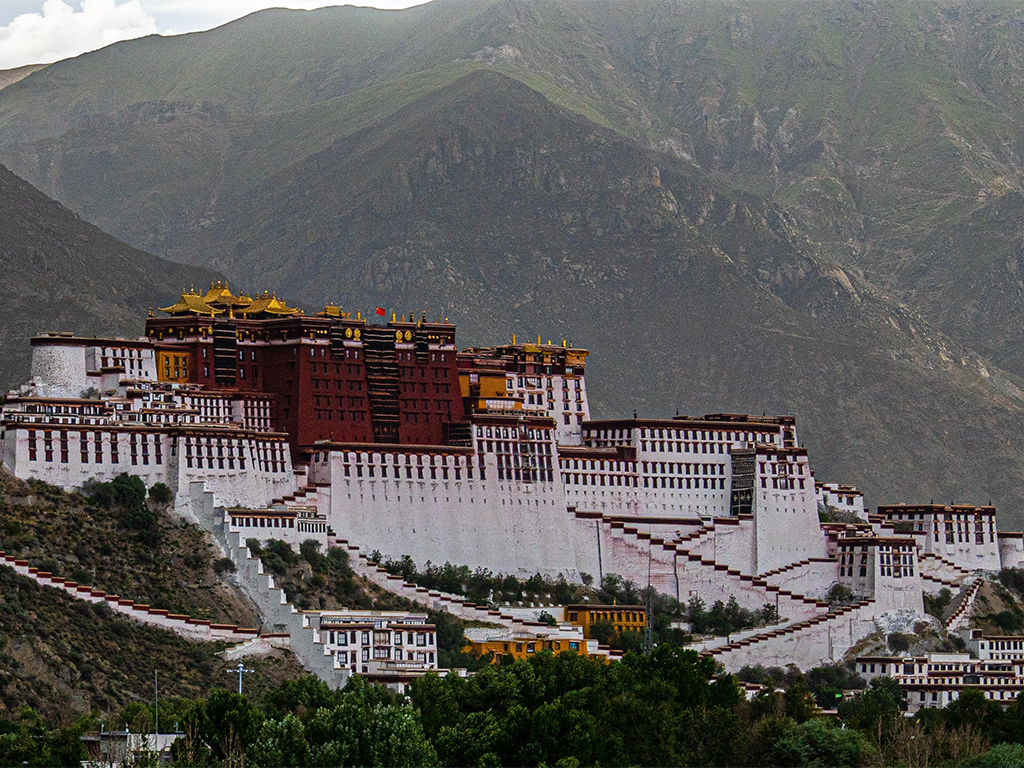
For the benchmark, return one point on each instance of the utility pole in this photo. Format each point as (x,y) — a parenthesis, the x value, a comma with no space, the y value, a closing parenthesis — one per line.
(156,703)
(240,670)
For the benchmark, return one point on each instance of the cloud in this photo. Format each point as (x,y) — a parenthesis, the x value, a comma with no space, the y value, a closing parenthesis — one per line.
(60,31)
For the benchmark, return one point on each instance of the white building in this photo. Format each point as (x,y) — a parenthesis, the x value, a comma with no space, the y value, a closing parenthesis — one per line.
(375,642)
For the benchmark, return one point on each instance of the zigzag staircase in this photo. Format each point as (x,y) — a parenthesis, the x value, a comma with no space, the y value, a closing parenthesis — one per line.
(790,603)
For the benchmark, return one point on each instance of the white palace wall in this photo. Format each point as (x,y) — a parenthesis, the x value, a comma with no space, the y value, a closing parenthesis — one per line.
(60,371)
(512,527)
(258,471)
(786,522)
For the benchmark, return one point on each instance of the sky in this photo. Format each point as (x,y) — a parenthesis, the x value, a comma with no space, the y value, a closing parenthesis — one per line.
(44,31)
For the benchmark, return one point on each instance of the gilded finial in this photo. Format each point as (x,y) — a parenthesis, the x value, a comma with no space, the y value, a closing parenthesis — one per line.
(392,316)
(513,339)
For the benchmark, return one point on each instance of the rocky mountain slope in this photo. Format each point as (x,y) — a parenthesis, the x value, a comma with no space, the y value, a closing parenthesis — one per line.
(63,274)
(779,206)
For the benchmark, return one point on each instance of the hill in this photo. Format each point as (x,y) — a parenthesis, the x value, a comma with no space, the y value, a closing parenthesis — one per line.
(11,76)
(66,657)
(780,205)
(62,273)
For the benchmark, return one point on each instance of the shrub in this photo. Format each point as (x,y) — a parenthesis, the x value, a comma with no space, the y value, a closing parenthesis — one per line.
(161,494)
(839,594)
(936,604)
(223,565)
(898,642)
(310,551)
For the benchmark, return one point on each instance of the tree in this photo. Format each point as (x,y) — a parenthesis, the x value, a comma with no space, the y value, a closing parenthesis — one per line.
(876,711)
(819,743)
(229,724)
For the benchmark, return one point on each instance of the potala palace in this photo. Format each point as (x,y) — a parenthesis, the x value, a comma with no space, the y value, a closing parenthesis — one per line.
(385,436)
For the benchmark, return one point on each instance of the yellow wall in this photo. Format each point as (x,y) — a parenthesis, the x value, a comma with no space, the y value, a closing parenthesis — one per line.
(621,617)
(524,648)
(173,366)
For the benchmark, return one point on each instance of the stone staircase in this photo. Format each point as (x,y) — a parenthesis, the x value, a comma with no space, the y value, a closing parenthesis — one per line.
(958,611)
(801,642)
(436,600)
(281,615)
(688,567)
(931,560)
(940,581)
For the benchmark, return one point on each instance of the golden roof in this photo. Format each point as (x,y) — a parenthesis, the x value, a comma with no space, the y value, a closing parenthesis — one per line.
(269,304)
(191,303)
(220,296)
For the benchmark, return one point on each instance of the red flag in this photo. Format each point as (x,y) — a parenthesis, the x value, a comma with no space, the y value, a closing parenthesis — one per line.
(380,311)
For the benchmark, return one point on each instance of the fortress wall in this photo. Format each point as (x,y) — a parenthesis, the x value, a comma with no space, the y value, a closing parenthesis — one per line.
(191,629)
(893,594)
(651,502)
(1011,550)
(813,579)
(787,528)
(967,554)
(733,545)
(518,528)
(59,370)
(74,472)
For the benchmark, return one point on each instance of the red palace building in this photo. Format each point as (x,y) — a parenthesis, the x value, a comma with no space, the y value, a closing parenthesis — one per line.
(333,377)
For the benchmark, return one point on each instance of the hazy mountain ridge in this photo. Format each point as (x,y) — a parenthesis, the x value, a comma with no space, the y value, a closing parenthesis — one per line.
(63,274)
(820,258)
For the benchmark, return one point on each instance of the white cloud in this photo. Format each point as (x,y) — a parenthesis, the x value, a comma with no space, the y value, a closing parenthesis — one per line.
(60,31)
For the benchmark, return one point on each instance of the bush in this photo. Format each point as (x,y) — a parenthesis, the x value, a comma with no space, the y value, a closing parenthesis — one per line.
(898,642)
(310,551)
(161,494)
(936,604)
(223,565)
(840,594)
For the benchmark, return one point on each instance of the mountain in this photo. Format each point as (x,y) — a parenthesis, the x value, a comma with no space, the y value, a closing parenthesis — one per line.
(10,76)
(63,274)
(775,205)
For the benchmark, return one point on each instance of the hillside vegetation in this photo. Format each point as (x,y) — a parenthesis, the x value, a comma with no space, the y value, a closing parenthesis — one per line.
(65,657)
(774,206)
(121,545)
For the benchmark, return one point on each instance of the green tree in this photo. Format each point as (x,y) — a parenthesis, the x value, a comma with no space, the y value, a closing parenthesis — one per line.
(876,711)
(819,743)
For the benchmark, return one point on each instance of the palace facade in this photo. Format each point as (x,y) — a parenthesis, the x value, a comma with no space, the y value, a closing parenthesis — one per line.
(384,434)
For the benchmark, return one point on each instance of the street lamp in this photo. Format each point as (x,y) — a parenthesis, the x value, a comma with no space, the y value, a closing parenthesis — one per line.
(240,670)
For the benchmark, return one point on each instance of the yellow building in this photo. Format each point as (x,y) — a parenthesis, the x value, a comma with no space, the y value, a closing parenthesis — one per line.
(521,648)
(632,617)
